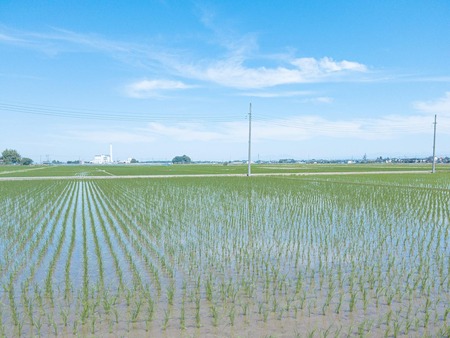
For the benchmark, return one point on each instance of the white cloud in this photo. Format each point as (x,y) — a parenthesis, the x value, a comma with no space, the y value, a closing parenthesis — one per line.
(299,128)
(382,128)
(307,96)
(295,128)
(311,67)
(184,132)
(111,136)
(272,94)
(323,99)
(233,73)
(439,106)
(153,88)
(163,137)
(230,73)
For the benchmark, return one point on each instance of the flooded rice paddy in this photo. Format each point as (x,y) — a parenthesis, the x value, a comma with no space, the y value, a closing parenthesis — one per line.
(280,256)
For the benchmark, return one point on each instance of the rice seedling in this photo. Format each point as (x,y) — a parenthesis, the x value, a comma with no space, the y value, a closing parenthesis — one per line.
(183,316)
(232,315)
(99,256)
(166,319)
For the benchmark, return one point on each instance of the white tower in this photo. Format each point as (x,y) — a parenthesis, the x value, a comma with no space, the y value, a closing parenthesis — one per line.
(110,153)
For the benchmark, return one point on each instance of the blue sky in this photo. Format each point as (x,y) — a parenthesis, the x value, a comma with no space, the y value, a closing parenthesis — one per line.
(326,79)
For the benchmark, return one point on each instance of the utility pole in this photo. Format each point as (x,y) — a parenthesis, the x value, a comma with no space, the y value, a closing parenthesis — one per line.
(249,141)
(433,170)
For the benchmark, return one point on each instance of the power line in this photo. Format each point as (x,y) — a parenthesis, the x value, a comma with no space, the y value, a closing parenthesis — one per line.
(86,114)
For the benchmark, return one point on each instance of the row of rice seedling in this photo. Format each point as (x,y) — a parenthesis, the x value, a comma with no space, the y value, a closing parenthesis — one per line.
(197,256)
(322,240)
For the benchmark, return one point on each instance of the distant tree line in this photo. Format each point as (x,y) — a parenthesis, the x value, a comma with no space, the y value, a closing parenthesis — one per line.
(11,156)
(286,160)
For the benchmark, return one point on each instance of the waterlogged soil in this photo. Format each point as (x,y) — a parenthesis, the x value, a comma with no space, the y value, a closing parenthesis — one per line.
(216,256)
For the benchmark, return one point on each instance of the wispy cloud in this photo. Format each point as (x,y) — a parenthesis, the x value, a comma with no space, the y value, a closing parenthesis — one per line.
(272,94)
(8,38)
(296,128)
(137,135)
(438,106)
(229,69)
(309,127)
(313,67)
(185,132)
(232,70)
(57,41)
(323,99)
(301,95)
(153,88)
(266,129)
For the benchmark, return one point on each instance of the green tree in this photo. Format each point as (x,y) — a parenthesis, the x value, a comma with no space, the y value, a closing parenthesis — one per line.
(181,159)
(26,161)
(11,156)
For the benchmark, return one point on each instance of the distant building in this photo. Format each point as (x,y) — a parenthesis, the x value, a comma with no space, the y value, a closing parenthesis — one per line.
(104,159)
(101,159)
